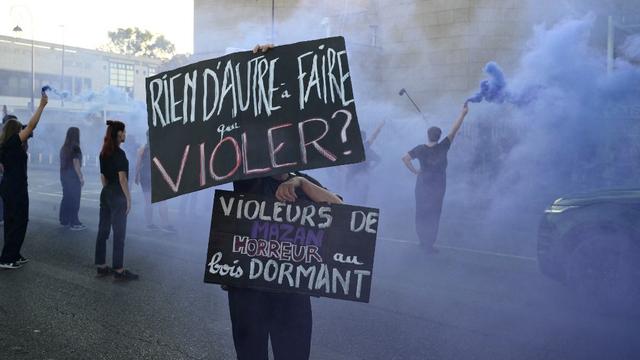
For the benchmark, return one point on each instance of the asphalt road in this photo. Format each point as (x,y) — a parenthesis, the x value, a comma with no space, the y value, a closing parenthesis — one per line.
(460,304)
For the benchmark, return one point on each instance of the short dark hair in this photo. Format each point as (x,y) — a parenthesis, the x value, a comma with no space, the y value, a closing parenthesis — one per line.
(434,133)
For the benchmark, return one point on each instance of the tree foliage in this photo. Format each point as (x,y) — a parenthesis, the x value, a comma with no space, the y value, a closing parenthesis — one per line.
(137,42)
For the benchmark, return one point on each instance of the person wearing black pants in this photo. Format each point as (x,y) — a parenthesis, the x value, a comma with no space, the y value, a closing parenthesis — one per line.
(257,316)
(115,202)
(71,179)
(13,187)
(431,183)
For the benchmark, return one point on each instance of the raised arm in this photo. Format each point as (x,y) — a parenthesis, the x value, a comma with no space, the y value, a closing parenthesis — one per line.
(287,191)
(458,123)
(375,134)
(407,162)
(28,130)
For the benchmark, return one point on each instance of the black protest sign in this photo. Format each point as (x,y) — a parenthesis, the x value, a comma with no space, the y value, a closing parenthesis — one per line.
(302,247)
(248,115)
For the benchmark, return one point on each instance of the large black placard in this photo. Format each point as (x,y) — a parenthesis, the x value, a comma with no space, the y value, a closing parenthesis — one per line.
(302,247)
(248,115)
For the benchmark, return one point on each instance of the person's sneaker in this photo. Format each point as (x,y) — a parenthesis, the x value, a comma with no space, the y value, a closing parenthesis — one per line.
(103,271)
(77,227)
(125,275)
(152,227)
(9,266)
(169,229)
(22,260)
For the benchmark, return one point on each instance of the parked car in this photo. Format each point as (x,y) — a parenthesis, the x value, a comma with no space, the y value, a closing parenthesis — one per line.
(591,242)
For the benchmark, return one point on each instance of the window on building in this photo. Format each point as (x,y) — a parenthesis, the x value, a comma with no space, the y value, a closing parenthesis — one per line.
(121,75)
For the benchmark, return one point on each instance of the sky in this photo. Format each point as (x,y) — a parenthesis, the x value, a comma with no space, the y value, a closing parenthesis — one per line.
(85,23)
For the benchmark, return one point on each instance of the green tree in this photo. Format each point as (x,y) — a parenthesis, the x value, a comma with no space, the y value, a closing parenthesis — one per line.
(137,42)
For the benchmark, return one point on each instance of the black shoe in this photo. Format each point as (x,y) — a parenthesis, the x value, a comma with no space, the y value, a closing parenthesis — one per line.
(10,266)
(125,275)
(103,271)
(22,260)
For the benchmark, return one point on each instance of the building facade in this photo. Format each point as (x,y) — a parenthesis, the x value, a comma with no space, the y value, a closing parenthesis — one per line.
(78,75)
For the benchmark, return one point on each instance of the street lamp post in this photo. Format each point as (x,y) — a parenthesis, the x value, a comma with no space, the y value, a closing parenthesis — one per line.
(16,30)
(62,71)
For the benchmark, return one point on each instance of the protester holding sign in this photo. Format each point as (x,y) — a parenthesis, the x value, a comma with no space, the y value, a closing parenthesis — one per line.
(256,315)
(432,180)
(14,188)
(115,202)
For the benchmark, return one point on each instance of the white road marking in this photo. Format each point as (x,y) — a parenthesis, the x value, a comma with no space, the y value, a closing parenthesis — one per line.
(60,195)
(456,248)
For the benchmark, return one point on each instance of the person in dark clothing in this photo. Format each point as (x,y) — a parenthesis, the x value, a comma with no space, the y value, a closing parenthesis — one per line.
(115,202)
(143,178)
(359,175)
(257,316)
(14,187)
(71,179)
(431,183)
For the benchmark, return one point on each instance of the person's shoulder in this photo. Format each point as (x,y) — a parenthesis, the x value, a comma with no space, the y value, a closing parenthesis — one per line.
(445,142)
(121,153)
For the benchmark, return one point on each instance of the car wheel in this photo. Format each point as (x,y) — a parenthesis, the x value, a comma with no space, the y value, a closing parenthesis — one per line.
(604,270)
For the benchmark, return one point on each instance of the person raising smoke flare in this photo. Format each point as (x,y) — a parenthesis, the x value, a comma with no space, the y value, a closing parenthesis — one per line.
(13,187)
(431,183)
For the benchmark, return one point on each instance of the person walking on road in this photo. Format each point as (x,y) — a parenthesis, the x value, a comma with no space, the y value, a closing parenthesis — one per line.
(13,187)
(115,202)
(71,179)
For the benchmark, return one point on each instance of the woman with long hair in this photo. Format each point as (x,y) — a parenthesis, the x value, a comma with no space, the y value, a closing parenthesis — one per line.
(13,187)
(115,202)
(71,179)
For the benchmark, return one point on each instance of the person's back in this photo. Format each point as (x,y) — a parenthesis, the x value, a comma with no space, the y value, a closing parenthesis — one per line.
(14,162)
(111,165)
(433,161)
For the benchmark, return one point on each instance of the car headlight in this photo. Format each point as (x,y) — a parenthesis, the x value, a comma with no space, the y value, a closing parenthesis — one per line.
(559,209)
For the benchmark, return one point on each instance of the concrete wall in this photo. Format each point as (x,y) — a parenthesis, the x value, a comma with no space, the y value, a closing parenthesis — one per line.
(431,47)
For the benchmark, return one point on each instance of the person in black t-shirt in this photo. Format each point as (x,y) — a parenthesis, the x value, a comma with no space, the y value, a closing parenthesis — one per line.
(71,179)
(257,316)
(13,187)
(115,202)
(432,180)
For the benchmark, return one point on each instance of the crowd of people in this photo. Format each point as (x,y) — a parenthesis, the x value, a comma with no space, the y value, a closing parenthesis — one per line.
(115,197)
(257,316)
